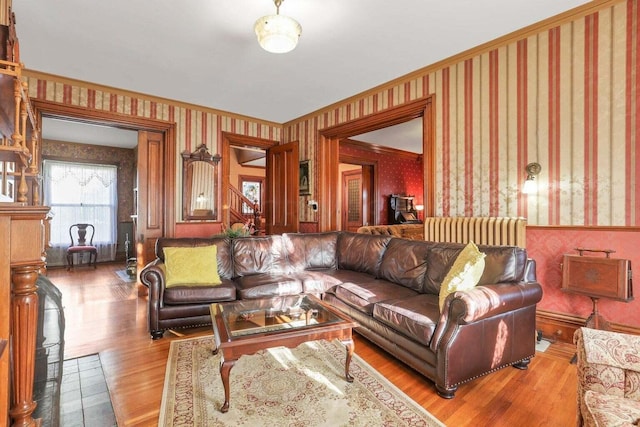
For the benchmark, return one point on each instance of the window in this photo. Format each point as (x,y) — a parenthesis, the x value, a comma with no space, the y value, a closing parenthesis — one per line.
(81,193)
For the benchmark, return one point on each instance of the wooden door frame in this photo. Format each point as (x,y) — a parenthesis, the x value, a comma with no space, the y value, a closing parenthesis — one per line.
(329,154)
(123,121)
(229,139)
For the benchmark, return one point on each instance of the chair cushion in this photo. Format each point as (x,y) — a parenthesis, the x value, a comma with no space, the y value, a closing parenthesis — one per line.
(191,266)
(82,248)
(606,410)
(612,349)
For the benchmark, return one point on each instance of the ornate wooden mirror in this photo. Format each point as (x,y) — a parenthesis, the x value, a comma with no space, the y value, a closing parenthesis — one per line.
(200,196)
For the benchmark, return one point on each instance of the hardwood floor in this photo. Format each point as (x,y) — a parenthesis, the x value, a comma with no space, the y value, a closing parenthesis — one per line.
(105,315)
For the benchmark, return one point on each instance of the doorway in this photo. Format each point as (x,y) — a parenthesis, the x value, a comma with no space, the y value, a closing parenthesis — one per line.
(154,188)
(329,155)
(241,146)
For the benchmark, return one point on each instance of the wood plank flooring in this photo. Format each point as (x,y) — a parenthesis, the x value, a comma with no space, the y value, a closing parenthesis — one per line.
(105,315)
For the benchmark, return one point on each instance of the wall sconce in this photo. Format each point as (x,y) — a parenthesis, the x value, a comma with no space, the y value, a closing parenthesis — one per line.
(533,169)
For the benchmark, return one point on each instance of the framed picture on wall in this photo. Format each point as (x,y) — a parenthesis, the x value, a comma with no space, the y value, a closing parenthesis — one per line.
(304,178)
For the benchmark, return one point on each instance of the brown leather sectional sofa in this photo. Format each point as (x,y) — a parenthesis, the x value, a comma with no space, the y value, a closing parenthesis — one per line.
(389,285)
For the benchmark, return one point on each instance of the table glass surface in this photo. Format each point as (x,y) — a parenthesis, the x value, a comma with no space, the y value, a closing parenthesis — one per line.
(259,316)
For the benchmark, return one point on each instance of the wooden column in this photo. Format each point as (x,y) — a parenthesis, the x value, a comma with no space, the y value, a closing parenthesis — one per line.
(24,312)
(23,247)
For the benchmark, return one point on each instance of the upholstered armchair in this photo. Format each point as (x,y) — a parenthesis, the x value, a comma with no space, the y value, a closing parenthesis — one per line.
(608,378)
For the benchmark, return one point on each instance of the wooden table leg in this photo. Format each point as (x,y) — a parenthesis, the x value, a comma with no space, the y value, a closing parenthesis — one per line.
(349,345)
(225,369)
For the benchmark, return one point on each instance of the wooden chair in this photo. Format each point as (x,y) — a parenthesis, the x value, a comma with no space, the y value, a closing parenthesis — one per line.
(79,244)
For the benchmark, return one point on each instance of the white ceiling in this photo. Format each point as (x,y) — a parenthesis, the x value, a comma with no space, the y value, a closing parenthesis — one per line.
(85,133)
(205,51)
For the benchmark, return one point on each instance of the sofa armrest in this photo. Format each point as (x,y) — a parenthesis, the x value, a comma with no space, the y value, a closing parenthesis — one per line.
(483,302)
(153,277)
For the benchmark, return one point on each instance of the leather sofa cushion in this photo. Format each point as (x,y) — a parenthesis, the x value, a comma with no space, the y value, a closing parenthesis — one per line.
(361,252)
(415,317)
(343,276)
(223,250)
(365,295)
(316,281)
(267,285)
(256,255)
(311,251)
(174,315)
(405,262)
(502,264)
(226,291)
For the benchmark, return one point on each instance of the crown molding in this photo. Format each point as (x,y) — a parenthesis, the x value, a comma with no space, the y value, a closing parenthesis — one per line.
(142,96)
(522,33)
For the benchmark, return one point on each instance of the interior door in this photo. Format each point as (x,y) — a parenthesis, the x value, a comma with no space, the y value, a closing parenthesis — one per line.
(150,199)
(352,203)
(281,204)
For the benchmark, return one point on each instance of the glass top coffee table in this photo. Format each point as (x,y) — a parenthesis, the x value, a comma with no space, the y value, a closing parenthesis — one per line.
(248,326)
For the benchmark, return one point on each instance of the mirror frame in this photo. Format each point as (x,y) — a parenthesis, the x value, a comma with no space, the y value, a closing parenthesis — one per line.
(201,154)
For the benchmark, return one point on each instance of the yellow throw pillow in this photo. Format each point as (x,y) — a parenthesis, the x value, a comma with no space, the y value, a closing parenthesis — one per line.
(465,273)
(191,266)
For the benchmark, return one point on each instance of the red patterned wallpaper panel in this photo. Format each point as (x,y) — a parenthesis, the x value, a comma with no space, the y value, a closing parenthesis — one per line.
(396,175)
(548,246)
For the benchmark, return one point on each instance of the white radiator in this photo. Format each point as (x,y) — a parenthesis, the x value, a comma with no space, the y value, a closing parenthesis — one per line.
(480,230)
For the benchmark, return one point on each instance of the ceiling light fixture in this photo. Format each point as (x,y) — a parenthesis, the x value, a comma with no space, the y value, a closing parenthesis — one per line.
(277,33)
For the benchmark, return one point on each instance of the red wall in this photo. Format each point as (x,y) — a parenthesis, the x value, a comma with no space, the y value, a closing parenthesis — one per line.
(547,245)
(399,174)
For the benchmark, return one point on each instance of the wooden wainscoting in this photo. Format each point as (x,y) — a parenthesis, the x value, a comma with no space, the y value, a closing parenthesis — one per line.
(561,326)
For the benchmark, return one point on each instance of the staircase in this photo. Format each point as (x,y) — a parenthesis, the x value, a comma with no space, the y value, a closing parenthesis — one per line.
(242,209)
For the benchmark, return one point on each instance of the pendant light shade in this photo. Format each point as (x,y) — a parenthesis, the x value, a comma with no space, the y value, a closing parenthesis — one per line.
(277,33)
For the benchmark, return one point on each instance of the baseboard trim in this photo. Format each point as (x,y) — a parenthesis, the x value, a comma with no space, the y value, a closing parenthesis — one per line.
(562,326)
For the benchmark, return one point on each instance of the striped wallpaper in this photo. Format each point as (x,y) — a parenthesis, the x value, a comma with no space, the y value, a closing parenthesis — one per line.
(566,97)
(195,125)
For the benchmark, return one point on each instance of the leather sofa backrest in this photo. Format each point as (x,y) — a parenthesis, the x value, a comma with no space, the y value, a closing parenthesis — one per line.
(405,262)
(223,250)
(361,252)
(255,255)
(503,264)
(311,251)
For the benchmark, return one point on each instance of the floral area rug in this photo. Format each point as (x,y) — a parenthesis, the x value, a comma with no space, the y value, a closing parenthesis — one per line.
(304,386)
